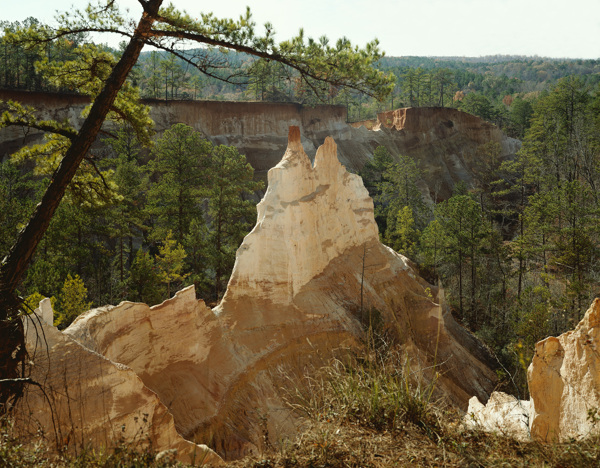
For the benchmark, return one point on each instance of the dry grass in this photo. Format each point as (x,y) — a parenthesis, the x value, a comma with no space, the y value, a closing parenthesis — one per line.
(376,412)
(380,413)
(380,393)
(332,445)
(15,454)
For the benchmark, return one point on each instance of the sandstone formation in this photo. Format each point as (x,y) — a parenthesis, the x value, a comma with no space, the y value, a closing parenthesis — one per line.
(503,414)
(88,400)
(295,295)
(564,382)
(444,142)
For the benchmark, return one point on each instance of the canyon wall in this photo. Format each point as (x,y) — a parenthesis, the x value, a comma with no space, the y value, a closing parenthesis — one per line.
(444,142)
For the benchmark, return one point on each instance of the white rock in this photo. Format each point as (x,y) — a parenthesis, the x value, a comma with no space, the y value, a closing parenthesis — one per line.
(89,400)
(503,414)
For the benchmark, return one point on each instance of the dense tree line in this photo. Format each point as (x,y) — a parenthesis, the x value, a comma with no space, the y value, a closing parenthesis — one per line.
(518,255)
(174,215)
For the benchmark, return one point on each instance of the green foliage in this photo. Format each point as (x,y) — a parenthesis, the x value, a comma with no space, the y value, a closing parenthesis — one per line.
(72,301)
(198,246)
(126,219)
(520,114)
(145,284)
(43,276)
(404,236)
(86,72)
(270,81)
(392,183)
(180,168)
(231,214)
(170,262)
(314,61)
(17,198)
(421,87)
(463,233)
(478,104)
(372,171)
(32,302)
(432,244)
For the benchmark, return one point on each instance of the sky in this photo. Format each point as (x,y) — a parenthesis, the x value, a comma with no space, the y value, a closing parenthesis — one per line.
(472,28)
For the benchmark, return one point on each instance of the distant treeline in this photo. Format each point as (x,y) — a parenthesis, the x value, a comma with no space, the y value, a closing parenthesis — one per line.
(485,86)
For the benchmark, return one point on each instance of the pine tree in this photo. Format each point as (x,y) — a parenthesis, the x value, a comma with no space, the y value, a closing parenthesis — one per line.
(404,237)
(144,280)
(180,168)
(398,188)
(72,301)
(170,262)
(231,212)
(463,232)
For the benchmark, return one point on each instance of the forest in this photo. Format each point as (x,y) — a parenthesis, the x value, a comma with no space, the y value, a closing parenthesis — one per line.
(517,254)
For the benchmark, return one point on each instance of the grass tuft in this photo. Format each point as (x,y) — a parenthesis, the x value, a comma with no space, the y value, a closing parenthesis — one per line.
(382,393)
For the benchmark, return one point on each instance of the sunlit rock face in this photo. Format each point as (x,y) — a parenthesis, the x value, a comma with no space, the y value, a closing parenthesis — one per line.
(306,276)
(308,217)
(503,414)
(90,401)
(564,382)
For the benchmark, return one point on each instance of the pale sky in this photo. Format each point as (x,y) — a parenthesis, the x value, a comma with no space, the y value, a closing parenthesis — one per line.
(473,28)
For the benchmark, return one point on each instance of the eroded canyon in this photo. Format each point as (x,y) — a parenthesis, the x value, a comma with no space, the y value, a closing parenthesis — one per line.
(310,268)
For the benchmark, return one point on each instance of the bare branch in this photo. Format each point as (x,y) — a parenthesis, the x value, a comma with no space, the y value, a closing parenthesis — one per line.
(202,67)
(93,164)
(21,381)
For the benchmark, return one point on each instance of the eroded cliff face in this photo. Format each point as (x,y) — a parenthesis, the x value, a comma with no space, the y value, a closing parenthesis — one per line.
(295,294)
(444,142)
(87,400)
(564,382)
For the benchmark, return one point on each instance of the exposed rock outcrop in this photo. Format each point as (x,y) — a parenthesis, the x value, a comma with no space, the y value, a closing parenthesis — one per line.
(444,142)
(88,400)
(295,293)
(564,385)
(564,382)
(503,414)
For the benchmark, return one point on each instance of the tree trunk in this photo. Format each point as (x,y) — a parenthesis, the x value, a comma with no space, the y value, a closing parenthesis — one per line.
(460,282)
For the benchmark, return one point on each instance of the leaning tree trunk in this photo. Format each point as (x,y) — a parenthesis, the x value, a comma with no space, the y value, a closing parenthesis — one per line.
(12,350)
